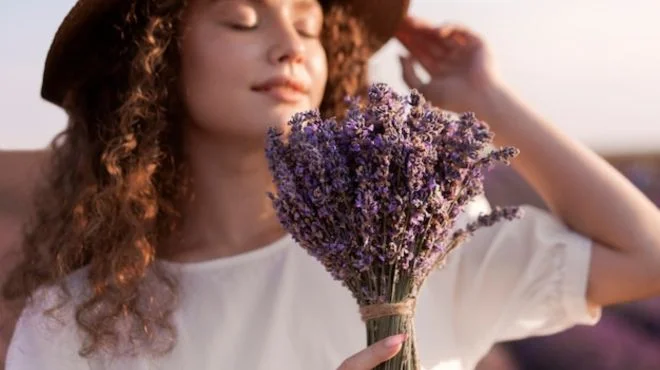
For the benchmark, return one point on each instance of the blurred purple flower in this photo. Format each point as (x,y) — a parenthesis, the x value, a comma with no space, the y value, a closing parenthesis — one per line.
(374,197)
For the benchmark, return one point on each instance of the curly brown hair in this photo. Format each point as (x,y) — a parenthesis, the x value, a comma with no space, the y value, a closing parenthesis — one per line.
(116,176)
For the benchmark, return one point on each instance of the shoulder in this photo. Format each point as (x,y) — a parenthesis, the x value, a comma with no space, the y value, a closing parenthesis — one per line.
(54,306)
(46,331)
(531,273)
(51,309)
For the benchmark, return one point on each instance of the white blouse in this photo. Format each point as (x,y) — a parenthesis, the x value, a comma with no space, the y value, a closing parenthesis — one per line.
(277,308)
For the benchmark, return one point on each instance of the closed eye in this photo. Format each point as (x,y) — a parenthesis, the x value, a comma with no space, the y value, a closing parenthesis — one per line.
(308,34)
(243,27)
(309,28)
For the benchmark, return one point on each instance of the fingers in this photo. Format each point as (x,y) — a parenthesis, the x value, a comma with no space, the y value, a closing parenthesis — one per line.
(375,354)
(416,42)
(415,28)
(409,74)
(419,34)
(427,54)
(435,48)
(458,37)
(414,25)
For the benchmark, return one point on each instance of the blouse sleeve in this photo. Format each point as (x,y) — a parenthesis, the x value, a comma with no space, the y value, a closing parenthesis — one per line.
(44,342)
(520,278)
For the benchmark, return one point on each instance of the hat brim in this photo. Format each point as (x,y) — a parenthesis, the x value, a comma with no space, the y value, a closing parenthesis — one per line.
(75,50)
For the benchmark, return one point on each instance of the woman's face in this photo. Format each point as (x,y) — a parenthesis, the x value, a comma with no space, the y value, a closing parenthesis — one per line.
(251,64)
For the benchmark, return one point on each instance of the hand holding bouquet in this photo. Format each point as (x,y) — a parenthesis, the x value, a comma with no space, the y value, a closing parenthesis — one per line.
(376,196)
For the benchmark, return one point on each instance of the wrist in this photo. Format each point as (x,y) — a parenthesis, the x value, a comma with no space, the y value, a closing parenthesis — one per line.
(490,100)
(504,112)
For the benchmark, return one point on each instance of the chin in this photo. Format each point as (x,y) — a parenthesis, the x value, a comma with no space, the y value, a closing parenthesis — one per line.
(280,117)
(255,128)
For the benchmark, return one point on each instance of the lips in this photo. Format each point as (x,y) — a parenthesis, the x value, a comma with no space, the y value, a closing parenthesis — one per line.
(283,88)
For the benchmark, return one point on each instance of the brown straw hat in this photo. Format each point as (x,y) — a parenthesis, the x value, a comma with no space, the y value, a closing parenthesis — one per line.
(83,39)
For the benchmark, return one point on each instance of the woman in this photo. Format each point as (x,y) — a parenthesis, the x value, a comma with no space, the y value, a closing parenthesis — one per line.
(156,247)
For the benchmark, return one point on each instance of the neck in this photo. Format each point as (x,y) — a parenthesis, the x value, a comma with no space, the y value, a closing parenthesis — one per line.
(229,212)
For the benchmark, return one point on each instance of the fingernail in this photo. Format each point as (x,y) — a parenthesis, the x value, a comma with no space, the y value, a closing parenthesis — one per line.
(395,340)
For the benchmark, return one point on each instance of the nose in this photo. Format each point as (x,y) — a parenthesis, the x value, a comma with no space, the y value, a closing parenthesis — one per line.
(287,47)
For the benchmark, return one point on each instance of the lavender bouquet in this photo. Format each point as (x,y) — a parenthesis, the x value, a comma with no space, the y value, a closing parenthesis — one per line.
(375,198)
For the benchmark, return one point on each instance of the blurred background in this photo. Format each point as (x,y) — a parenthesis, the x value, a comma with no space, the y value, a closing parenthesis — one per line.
(589,66)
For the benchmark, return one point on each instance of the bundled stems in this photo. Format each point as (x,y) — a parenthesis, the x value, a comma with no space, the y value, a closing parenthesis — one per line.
(383,327)
(387,325)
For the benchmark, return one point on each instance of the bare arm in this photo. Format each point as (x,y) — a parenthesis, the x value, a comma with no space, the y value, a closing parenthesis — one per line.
(588,194)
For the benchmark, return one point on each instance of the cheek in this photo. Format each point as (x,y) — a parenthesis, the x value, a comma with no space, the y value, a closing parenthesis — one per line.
(206,62)
(209,81)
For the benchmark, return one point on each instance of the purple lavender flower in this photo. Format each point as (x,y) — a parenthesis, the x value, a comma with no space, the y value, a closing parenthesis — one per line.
(376,196)
(378,193)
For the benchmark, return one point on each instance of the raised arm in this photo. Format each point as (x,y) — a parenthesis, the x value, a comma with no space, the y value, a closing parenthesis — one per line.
(589,195)
(583,190)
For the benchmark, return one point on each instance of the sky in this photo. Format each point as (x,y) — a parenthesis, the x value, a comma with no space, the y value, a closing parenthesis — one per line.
(592,67)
